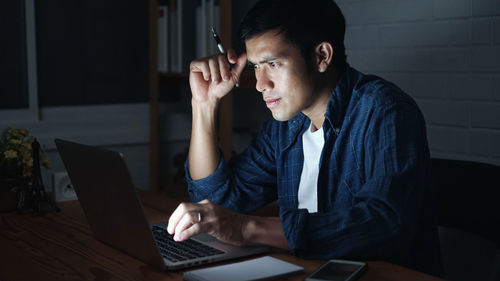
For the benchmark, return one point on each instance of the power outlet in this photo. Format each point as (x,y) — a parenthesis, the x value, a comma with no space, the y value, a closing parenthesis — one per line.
(63,189)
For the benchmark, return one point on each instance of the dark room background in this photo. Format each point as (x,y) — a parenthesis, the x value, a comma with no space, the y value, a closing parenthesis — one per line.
(89,81)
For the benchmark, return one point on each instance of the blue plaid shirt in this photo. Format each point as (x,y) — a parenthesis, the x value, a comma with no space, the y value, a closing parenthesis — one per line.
(374,187)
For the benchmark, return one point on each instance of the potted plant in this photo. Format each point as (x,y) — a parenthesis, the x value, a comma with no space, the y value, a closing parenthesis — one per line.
(16,166)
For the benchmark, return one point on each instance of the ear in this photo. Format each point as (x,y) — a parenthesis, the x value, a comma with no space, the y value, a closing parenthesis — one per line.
(323,54)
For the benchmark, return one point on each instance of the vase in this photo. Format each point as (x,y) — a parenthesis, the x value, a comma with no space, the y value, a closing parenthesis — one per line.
(12,190)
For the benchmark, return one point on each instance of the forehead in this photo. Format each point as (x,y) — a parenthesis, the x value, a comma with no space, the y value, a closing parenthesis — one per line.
(270,44)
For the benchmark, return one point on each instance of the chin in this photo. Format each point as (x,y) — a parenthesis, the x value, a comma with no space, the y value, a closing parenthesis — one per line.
(280,119)
(282,116)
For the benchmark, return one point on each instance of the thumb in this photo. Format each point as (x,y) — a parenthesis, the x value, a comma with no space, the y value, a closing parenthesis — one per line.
(231,56)
(239,65)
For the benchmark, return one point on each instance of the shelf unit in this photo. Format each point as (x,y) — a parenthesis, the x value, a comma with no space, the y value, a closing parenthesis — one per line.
(225,108)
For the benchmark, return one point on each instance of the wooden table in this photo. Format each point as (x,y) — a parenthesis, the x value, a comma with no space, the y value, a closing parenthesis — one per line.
(60,246)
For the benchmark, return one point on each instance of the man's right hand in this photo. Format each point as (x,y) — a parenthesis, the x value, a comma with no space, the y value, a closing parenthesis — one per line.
(211,79)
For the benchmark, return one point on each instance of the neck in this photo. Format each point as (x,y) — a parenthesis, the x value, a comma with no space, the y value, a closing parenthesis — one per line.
(324,83)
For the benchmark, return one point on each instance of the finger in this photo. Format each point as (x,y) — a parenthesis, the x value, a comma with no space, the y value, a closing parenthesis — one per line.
(177,216)
(201,66)
(224,68)
(204,201)
(239,66)
(189,219)
(214,70)
(191,231)
(232,57)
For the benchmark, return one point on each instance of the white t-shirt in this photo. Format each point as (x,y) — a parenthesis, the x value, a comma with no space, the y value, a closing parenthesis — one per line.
(313,143)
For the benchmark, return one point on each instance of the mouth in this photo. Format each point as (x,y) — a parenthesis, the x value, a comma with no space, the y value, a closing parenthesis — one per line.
(270,103)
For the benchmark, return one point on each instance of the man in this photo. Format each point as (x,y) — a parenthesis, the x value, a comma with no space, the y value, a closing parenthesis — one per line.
(346,155)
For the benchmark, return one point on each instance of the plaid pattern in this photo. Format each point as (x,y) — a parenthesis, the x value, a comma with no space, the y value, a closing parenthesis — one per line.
(374,188)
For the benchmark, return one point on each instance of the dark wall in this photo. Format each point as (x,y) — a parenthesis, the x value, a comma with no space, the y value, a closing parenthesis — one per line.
(240,8)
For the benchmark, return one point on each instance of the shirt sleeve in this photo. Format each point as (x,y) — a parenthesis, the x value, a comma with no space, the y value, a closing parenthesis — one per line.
(384,213)
(246,183)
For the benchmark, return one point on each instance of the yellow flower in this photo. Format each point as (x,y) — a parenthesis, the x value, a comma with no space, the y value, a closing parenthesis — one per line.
(14,133)
(24,151)
(14,141)
(10,154)
(26,155)
(27,144)
(28,162)
(16,144)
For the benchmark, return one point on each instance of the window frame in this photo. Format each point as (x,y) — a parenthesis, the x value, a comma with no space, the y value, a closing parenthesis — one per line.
(107,124)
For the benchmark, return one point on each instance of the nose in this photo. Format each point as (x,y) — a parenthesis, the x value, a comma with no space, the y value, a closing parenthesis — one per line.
(264,83)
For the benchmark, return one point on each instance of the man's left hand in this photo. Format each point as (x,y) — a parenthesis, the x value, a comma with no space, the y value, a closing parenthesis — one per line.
(190,219)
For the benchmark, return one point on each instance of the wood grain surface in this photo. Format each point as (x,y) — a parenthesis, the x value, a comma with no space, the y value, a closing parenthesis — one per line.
(60,246)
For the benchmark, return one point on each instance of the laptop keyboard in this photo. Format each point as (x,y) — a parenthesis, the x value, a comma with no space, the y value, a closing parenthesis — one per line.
(181,251)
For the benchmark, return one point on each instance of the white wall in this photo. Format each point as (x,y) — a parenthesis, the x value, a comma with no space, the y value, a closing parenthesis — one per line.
(446,55)
(120,127)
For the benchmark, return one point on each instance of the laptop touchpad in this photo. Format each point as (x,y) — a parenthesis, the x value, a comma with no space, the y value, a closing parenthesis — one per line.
(203,237)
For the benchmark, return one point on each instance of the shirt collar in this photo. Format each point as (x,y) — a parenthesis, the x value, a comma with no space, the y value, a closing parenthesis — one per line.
(339,100)
(296,126)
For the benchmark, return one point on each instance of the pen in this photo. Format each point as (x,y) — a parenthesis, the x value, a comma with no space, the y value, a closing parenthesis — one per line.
(221,48)
(217,40)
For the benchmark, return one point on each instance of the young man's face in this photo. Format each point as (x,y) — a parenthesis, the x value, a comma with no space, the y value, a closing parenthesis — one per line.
(282,75)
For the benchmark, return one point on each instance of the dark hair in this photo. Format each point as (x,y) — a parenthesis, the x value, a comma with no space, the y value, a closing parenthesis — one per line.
(304,24)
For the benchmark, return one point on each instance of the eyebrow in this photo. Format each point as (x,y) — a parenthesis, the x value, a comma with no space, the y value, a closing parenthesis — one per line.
(264,60)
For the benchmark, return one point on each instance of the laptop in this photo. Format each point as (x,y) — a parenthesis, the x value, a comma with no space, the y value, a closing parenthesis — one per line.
(116,217)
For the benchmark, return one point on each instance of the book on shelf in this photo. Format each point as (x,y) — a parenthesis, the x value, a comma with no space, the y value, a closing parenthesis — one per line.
(216,23)
(201,25)
(162,38)
(207,15)
(184,32)
(187,40)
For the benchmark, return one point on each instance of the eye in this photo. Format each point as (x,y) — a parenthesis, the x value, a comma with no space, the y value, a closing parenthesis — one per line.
(252,65)
(274,64)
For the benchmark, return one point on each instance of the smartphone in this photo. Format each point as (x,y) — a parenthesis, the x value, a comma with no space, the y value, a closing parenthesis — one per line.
(338,270)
